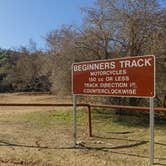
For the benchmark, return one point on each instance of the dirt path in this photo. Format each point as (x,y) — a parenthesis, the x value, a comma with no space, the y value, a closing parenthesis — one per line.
(43,136)
(29,98)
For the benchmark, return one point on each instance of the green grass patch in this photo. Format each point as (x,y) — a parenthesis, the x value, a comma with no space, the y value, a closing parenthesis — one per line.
(107,121)
(52,118)
(126,120)
(101,119)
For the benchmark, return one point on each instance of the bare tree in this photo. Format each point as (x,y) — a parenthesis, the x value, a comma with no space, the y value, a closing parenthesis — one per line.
(112,28)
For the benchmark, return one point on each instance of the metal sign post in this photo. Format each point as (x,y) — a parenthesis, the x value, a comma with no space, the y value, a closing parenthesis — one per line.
(151,148)
(74,119)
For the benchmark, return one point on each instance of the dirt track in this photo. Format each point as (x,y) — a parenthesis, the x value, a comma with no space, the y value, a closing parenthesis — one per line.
(43,136)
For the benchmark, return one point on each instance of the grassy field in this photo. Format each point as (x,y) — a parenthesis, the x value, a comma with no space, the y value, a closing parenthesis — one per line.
(43,136)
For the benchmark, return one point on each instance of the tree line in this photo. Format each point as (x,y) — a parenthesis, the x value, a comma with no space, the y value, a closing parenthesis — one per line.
(110,29)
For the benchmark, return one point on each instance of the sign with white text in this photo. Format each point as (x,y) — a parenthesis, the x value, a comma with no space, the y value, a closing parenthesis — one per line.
(132,77)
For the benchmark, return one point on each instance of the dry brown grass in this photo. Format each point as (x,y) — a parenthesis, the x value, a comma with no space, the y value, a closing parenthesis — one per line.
(43,136)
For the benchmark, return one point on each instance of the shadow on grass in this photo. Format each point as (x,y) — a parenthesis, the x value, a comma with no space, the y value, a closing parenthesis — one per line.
(4,143)
(126,139)
(114,138)
(125,120)
(137,155)
(78,147)
(122,132)
(141,120)
(124,153)
(160,143)
(120,147)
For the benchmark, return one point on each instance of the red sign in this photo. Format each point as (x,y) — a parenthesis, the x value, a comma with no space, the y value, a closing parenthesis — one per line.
(132,76)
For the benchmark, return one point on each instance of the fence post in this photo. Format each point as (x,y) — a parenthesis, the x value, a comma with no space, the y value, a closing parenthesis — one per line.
(89,121)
